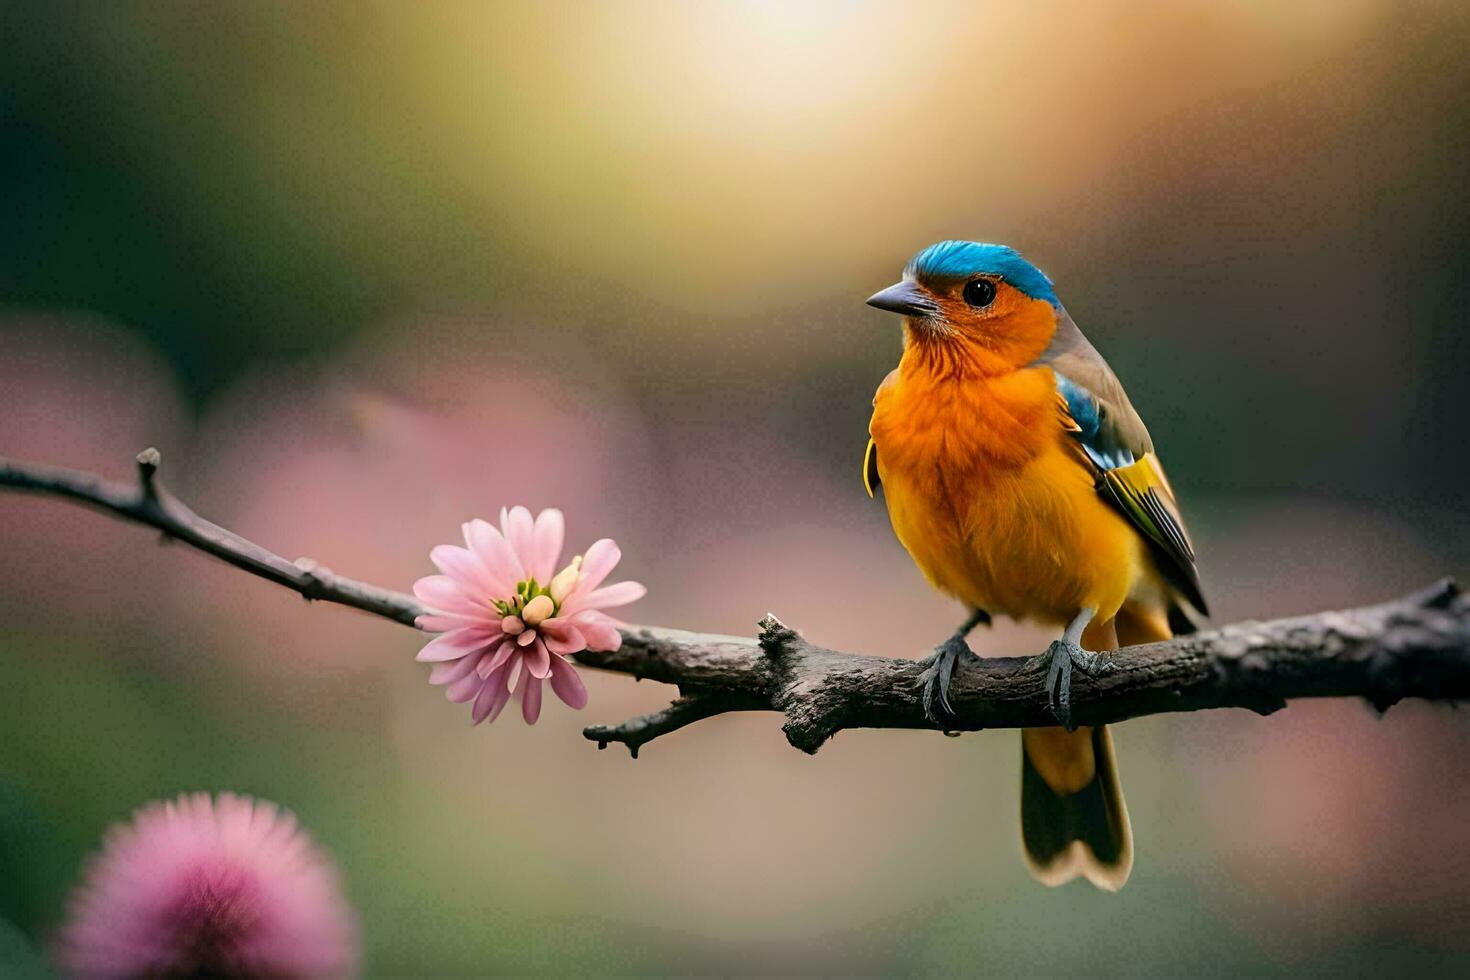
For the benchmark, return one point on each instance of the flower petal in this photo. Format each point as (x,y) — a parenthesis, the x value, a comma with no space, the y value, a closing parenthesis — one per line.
(464,566)
(499,659)
(562,637)
(496,554)
(519,530)
(492,698)
(448,595)
(530,691)
(440,623)
(600,631)
(452,670)
(568,684)
(455,644)
(547,537)
(502,698)
(464,689)
(600,559)
(538,660)
(618,594)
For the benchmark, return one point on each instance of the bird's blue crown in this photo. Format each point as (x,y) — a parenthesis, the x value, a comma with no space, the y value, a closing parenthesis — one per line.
(961,260)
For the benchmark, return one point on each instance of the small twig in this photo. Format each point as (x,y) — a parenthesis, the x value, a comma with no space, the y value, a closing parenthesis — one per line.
(646,728)
(148,462)
(1414,647)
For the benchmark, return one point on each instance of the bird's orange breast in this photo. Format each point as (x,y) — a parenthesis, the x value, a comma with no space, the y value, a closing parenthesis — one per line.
(986,490)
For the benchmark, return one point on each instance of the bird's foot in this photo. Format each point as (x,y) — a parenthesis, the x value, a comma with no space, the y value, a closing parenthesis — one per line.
(936,677)
(1059,660)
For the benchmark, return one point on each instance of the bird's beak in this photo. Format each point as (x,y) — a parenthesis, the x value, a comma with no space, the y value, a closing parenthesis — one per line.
(906,299)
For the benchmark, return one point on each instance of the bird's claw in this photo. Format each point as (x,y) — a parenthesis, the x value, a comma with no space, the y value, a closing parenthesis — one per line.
(1093,663)
(1037,664)
(937,676)
(1059,660)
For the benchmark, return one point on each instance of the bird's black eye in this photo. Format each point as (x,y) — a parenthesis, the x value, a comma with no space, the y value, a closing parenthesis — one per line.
(979,293)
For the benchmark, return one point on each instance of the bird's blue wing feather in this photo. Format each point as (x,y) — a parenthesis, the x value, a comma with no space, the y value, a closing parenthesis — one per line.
(1102,442)
(1129,475)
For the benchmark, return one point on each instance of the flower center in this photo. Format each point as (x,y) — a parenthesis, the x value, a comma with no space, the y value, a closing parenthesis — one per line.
(533,603)
(531,596)
(526,590)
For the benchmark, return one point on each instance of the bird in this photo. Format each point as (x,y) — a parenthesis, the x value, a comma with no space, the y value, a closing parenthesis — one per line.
(1022,482)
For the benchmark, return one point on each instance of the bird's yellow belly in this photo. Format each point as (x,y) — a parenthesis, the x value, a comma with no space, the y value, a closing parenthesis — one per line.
(1030,542)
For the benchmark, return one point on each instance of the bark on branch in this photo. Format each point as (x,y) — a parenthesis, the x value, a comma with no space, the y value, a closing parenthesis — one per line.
(1414,647)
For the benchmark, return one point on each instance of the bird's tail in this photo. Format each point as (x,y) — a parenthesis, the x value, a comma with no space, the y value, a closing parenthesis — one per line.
(1074,820)
(1073,817)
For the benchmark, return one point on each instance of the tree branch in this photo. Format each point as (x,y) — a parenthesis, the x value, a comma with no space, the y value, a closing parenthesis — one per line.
(147,502)
(1414,647)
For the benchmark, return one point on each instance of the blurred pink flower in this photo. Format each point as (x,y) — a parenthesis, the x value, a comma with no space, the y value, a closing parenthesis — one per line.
(508,619)
(198,887)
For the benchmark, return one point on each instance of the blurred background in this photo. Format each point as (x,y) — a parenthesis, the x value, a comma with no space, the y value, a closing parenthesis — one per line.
(362,271)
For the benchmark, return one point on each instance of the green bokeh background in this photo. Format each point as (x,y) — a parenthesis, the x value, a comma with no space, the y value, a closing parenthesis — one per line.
(290,243)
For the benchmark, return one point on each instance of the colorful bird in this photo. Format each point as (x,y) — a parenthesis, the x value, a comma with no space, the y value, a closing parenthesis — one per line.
(1022,482)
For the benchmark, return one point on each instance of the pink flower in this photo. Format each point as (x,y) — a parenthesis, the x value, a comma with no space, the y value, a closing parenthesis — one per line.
(508,619)
(196,887)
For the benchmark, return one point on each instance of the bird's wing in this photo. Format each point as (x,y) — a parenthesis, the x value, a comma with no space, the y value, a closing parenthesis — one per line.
(871,482)
(1115,444)
(870,468)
